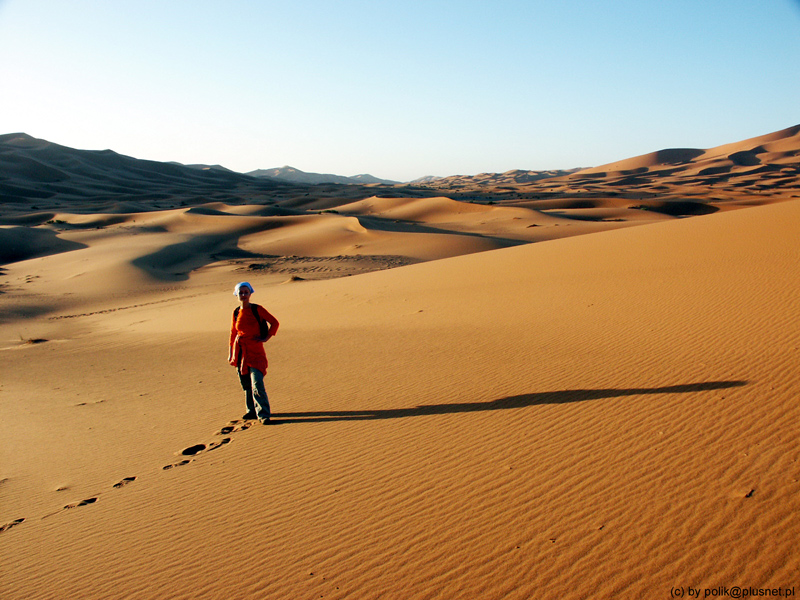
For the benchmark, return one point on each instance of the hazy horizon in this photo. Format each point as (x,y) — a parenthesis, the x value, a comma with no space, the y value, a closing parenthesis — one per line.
(398,92)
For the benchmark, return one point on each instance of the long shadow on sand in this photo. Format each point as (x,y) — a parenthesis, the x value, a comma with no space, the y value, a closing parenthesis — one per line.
(521,401)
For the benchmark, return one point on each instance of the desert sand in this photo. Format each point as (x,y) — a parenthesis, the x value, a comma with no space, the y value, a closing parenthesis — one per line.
(476,393)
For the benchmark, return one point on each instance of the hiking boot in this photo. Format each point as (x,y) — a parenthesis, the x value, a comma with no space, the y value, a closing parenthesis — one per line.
(249,416)
(265,421)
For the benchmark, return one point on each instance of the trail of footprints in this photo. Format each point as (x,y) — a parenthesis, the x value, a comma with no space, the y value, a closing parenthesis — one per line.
(231,427)
(191,451)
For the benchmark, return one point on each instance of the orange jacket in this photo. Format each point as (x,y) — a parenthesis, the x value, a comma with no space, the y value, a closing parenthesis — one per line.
(245,343)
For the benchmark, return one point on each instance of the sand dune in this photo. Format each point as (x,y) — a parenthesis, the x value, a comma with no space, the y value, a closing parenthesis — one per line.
(537,421)
(774,153)
(597,416)
(692,181)
(22,243)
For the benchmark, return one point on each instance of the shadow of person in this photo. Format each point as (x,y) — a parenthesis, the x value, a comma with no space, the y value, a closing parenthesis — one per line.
(520,401)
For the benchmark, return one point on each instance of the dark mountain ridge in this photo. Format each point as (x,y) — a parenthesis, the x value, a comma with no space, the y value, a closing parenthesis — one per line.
(294,175)
(32,168)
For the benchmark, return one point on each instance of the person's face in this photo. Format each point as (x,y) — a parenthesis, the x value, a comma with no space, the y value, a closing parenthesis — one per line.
(244,294)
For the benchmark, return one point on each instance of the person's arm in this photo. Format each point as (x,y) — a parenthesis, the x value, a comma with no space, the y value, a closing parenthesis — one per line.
(231,357)
(269,318)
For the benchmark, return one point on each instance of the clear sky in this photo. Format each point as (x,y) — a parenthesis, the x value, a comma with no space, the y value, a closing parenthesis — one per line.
(398,89)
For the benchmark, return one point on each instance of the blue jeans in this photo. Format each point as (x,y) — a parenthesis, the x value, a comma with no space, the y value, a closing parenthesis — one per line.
(255,393)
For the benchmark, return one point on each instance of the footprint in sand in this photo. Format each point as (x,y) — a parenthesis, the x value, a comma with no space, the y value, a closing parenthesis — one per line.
(215,445)
(125,481)
(74,505)
(234,426)
(81,503)
(192,450)
(177,464)
(8,526)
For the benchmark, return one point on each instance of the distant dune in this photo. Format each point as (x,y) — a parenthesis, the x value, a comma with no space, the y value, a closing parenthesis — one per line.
(514,177)
(425,179)
(756,170)
(47,186)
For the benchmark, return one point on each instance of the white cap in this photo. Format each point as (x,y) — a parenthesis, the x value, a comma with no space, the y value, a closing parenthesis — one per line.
(241,285)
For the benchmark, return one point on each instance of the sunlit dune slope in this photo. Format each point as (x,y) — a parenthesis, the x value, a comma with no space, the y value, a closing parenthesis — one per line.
(611,415)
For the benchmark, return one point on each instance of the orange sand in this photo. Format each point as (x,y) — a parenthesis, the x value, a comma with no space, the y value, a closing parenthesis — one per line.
(597,416)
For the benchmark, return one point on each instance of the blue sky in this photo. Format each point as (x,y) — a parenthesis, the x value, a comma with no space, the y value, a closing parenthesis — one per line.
(398,89)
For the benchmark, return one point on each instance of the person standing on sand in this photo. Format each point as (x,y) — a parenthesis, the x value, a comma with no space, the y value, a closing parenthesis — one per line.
(246,350)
